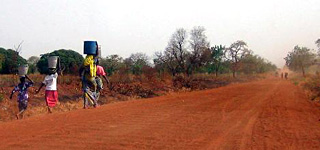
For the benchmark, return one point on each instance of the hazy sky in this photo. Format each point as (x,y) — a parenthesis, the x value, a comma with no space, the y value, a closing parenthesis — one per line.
(271,28)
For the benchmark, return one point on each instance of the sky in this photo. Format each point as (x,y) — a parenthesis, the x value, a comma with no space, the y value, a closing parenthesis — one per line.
(271,28)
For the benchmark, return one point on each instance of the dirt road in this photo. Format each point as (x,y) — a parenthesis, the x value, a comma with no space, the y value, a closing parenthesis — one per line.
(267,114)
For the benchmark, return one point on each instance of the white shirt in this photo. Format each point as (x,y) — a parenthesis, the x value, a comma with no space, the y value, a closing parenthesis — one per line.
(51,82)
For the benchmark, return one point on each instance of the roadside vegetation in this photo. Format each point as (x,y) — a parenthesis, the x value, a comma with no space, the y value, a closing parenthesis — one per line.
(305,63)
(187,63)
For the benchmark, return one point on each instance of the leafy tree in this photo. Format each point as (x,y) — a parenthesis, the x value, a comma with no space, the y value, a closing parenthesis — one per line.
(217,54)
(251,64)
(2,60)
(11,61)
(300,58)
(32,61)
(112,63)
(70,61)
(235,53)
(136,62)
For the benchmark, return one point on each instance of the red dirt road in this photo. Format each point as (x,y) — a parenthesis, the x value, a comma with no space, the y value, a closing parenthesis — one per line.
(267,114)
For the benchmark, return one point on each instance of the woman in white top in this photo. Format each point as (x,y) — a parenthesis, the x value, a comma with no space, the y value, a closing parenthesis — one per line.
(51,94)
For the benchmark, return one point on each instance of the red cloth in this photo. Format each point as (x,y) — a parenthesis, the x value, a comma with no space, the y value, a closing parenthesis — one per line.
(51,98)
(100,71)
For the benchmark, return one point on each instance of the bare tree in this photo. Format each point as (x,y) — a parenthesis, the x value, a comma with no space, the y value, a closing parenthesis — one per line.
(235,53)
(166,60)
(176,51)
(199,48)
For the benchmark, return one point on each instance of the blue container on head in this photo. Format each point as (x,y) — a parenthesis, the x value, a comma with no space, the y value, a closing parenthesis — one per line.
(90,47)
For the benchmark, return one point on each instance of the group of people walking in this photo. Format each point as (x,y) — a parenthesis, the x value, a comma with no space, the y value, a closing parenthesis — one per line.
(283,75)
(51,93)
(90,73)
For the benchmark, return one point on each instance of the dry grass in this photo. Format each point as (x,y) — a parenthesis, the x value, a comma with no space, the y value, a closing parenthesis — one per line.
(123,87)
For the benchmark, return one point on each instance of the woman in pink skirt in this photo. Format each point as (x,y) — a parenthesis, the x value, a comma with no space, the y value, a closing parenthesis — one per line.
(51,94)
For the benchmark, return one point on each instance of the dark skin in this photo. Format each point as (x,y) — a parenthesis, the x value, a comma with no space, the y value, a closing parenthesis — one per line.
(52,72)
(104,76)
(22,80)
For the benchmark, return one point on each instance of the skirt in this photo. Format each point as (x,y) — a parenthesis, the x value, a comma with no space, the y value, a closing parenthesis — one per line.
(51,98)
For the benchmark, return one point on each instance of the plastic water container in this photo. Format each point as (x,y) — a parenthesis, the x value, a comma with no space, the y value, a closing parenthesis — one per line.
(90,47)
(23,69)
(53,61)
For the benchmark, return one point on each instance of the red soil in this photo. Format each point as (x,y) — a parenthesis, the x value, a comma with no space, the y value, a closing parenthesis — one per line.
(267,114)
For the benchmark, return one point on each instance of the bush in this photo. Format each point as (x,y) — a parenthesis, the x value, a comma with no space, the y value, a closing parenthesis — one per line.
(313,85)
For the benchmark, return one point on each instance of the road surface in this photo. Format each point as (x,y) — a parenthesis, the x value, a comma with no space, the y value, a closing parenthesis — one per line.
(266,114)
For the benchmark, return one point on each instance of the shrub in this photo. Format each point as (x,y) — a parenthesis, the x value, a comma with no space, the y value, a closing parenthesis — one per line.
(313,85)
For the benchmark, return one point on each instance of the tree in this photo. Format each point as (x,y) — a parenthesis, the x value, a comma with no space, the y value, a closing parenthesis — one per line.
(2,60)
(235,53)
(112,63)
(176,52)
(165,61)
(136,62)
(300,58)
(10,61)
(251,64)
(199,49)
(70,61)
(318,45)
(32,62)
(217,53)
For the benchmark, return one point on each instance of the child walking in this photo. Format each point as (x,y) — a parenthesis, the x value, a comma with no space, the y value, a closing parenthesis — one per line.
(100,73)
(23,96)
(51,94)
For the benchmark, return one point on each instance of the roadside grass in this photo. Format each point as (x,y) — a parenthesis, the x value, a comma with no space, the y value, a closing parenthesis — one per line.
(123,87)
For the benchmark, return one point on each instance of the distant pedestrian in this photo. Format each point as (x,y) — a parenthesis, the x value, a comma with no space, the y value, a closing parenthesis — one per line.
(286,75)
(51,94)
(281,75)
(23,96)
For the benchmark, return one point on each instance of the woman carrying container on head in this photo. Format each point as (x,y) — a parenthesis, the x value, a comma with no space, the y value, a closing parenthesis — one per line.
(88,73)
(89,86)
(23,96)
(50,81)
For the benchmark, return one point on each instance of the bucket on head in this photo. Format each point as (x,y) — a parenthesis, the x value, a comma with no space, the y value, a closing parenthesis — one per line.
(23,69)
(53,61)
(90,47)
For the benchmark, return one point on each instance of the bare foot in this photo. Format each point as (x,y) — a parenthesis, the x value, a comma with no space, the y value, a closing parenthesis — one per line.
(49,110)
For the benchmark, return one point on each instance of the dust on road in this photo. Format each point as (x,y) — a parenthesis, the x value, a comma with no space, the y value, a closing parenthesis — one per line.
(266,114)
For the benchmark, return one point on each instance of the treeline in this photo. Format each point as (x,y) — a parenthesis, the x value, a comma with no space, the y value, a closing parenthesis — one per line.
(186,53)
(194,54)
(300,58)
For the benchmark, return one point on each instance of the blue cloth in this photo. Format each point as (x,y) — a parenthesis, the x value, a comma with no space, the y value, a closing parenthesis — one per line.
(22,88)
